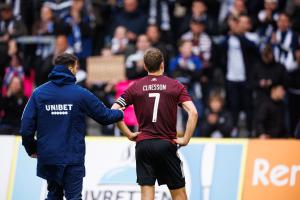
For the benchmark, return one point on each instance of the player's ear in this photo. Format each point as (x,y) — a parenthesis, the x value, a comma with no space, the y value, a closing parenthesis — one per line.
(145,68)
(162,66)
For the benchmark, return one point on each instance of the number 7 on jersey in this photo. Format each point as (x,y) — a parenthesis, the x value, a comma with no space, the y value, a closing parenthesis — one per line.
(156,102)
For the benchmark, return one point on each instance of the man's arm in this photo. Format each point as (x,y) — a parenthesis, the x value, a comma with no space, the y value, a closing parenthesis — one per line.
(123,127)
(28,127)
(190,108)
(98,111)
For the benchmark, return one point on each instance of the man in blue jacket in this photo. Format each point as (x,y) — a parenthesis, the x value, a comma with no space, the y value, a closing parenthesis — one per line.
(56,112)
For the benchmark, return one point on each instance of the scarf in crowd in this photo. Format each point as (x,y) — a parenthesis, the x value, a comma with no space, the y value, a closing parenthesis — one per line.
(76,35)
(12,72)
(283,51)
(162,7)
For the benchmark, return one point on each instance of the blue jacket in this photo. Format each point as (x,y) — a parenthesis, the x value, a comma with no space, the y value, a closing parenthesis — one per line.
(56,111)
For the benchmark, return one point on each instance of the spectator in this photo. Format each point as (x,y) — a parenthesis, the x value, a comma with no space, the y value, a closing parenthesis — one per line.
(134,63)
(239,54)
(186,68)
(119,41)
(265,74)
(44,68)
(60,8)
(294,95)
(270,118)
(267,19)
(202,47)
(5,59)
(47,26)
(236,11)
(238,8)
(218,122)
(102,10)
(15,69)
(224,10)
(297,131)
(160,13)
(293,9)
(12,107)
(198,11)
(245,23)
(10,27)
(201,41)
(80,37)
(154,35)
(285,42)
(131,18)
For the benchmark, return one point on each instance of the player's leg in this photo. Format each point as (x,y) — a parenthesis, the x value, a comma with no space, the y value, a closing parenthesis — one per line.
(144,169)
(147,192)
(169,169)
(178,194)
(72,183)
(55,191)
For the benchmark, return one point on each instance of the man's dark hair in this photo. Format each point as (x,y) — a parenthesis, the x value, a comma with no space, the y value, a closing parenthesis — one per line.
(66,59)
(153,59)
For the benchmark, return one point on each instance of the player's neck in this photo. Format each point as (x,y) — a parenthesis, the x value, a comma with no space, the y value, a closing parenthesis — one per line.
(158,73)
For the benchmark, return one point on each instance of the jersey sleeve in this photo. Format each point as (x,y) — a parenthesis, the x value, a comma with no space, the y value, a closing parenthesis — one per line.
(183,95)
(126,99)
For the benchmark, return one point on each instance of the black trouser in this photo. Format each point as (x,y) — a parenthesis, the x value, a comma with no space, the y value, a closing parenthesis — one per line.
(239,97)
(294,111)
(63,180)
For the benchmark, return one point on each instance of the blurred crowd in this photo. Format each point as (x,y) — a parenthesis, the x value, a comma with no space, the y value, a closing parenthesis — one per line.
(239,59)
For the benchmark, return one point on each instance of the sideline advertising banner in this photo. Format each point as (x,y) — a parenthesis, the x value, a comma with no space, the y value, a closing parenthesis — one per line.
(213,171)
(7,144)
(273,170)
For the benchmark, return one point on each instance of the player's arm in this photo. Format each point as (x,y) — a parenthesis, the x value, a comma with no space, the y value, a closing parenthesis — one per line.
(190,108)
(122,126)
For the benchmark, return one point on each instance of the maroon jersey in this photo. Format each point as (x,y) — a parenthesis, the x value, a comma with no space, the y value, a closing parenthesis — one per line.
(155,100)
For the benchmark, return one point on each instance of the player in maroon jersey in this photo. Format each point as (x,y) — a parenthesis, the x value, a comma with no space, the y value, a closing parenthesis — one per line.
(155,99)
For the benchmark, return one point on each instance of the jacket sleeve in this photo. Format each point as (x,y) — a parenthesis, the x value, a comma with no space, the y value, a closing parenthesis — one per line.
(98,111)
(28,127)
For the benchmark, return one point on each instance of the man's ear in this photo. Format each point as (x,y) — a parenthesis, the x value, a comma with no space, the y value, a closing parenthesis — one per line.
(71,68)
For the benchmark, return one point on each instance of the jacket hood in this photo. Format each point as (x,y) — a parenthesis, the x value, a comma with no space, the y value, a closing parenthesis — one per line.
(61,75)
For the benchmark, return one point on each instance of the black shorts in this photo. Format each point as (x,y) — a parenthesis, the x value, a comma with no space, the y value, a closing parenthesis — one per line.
(157,159)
